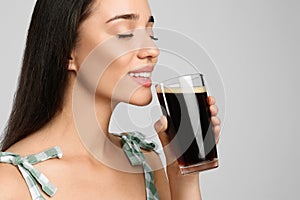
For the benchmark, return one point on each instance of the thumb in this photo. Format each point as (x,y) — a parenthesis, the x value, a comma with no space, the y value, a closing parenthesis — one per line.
(161,126)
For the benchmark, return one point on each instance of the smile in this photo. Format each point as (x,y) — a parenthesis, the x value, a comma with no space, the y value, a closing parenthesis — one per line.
(141,74)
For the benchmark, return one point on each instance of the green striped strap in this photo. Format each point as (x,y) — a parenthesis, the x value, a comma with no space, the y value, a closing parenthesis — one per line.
(32,176)
(132,144)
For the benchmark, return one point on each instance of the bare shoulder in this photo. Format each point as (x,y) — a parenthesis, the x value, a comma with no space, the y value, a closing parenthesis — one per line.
(11,181)
(27,146)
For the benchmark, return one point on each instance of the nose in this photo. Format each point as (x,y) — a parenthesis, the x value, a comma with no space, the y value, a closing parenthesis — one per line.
(148,49)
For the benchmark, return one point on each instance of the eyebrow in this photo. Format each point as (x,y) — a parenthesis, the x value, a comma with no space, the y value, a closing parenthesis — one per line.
(130,16)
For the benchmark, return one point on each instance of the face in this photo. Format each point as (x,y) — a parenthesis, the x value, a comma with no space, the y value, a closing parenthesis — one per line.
(119,32)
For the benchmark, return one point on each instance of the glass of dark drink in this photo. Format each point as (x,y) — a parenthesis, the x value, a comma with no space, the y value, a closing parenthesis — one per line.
(183,101)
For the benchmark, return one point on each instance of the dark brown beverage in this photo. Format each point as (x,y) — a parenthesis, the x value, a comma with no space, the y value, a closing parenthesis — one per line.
(189,126)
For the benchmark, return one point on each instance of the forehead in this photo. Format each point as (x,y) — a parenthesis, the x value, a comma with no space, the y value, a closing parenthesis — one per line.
(111,8)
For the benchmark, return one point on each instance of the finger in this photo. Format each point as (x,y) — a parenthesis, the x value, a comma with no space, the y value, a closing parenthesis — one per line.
(215,121)
(213,110)
(160,127)
(211,100)
(217,130)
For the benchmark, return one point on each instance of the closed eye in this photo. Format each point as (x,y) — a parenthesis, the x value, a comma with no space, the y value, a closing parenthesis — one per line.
(153,37)
(120,36)
(130,35)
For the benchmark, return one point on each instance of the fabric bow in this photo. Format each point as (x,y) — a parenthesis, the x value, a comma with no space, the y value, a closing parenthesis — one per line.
(132,144)
(31,174)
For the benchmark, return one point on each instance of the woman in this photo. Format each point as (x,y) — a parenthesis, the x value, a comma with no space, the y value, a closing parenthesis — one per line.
(61,36)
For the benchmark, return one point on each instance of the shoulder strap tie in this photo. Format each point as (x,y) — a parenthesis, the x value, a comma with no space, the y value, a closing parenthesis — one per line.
(31,174)
(132,144)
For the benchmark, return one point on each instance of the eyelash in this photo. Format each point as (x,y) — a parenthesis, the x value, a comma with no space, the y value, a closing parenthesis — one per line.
(123,36)
(153,37)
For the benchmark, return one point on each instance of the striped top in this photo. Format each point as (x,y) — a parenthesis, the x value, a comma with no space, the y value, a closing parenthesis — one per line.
(132,143)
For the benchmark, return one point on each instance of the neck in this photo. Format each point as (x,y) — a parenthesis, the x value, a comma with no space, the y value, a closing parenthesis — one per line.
(83,121)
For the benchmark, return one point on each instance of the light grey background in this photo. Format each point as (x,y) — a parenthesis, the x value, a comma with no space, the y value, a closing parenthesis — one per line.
(256,47)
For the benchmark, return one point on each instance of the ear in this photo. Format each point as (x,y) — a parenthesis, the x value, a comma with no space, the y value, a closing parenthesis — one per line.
(72,66)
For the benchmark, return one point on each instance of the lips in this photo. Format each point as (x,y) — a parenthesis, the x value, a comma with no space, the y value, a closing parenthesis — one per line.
(142,75)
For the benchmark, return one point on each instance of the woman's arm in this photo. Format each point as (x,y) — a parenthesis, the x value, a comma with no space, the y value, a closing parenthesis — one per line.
(183,187)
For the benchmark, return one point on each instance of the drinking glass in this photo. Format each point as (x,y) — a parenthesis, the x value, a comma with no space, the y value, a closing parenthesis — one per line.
(183,101)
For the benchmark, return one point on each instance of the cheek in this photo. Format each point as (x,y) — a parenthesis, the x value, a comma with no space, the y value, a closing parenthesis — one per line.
(115,84)
(114,81)
(122,89)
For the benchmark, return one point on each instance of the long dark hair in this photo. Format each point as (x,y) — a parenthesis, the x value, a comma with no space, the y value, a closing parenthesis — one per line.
(52,35)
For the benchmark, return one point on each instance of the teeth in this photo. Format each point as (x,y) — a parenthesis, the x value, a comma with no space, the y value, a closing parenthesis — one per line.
(141,74)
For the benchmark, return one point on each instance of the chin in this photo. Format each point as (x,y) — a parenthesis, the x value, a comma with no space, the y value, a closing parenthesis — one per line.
(142,97)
